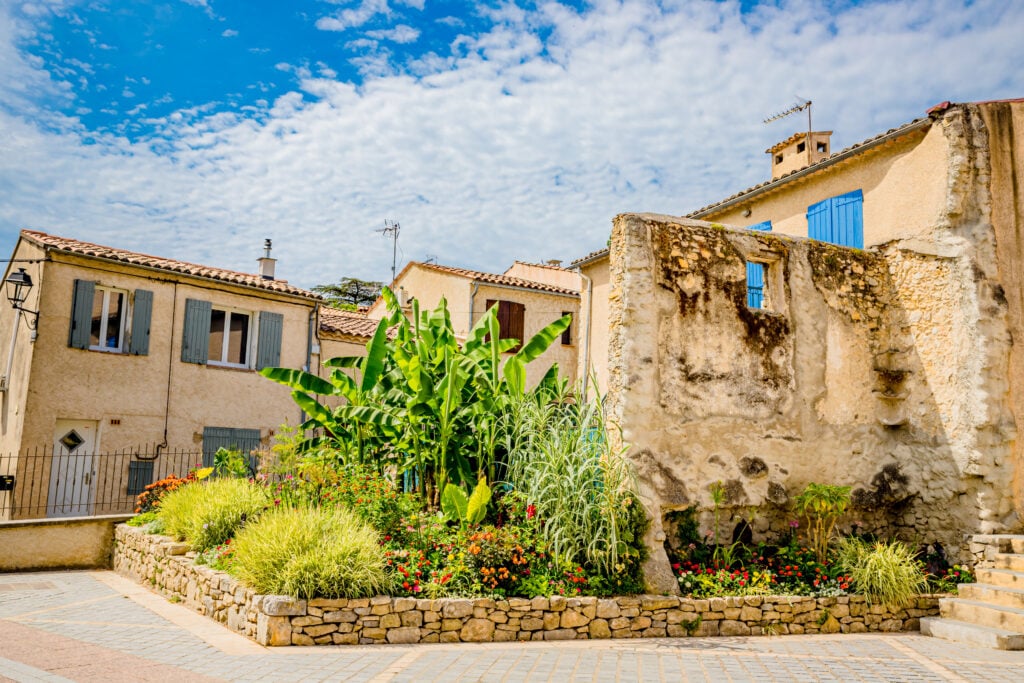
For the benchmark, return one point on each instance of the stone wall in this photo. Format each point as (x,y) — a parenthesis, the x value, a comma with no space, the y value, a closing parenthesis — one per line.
(873,369)
(279,620)
(63,543)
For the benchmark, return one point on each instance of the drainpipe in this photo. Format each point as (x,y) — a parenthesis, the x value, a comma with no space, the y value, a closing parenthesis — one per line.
(586,329)
(5,381)
(311,333)
(170,365)
(472,296)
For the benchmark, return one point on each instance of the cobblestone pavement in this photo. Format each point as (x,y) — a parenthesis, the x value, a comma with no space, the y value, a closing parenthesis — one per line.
(97,626)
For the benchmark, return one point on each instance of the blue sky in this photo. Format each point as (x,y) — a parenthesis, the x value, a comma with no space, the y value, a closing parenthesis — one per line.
(491,131)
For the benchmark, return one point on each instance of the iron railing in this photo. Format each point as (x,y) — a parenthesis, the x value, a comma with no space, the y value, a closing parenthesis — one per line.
(56,482)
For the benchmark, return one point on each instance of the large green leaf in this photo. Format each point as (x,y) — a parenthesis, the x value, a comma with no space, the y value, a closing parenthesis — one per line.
(373,364)
(540,342)
(344,362)
(476,508)
(313,408)
(300,380)
(454,503)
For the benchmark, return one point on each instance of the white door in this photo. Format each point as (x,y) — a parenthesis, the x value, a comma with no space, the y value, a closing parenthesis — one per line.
(72,469)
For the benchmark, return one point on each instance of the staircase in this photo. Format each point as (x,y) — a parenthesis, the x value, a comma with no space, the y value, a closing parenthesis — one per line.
(989,613)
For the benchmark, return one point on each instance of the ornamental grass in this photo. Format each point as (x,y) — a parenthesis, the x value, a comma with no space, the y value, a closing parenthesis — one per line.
(207,513)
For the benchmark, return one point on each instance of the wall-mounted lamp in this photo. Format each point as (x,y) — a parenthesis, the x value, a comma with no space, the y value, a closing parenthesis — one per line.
(19,284)
(746,212)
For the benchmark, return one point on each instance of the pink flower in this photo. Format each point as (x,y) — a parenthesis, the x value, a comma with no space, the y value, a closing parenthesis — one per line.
(794,524)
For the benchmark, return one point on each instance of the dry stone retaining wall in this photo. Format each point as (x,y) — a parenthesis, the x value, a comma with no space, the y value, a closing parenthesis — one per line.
(281,620)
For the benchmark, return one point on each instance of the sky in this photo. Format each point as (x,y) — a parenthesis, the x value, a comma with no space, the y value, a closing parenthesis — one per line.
(492,131)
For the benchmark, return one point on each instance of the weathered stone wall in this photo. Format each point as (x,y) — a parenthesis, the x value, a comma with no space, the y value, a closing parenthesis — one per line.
(883,370)
(279,620)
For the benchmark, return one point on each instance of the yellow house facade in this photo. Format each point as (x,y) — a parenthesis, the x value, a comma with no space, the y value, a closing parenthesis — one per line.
(126,353)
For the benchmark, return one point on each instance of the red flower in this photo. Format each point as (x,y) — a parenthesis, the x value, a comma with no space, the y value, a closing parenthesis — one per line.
(531,511)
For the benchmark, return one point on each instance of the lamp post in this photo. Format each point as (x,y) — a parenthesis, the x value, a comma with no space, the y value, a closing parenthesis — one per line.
(19,284)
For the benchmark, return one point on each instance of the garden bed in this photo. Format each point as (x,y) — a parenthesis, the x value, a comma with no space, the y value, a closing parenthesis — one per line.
(280,620)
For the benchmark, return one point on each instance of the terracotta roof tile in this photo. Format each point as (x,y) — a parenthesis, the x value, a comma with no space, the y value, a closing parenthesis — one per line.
(499,279)
(350,323)
(592,256)
(72,246)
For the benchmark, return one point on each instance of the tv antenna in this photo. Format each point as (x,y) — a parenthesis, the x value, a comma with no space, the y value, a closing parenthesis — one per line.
(430,258)
(798,107)
(391,229)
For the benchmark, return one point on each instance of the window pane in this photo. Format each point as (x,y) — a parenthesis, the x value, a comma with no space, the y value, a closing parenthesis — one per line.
(114,312)
(238,342)
(216,335)
(97,318)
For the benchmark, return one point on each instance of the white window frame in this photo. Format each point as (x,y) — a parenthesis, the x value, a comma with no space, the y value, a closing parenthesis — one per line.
(107,291)
(225,341)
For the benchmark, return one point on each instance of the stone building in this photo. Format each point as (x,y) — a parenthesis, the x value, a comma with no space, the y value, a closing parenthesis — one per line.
(878,354)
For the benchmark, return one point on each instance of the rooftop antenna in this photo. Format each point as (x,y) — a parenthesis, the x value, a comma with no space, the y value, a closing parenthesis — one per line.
(430,258)
(392,228)
(798,107)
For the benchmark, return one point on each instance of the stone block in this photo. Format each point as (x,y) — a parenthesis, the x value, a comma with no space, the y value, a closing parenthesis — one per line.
(273,631)
(607,609)
(573,619)
(477,631)
(302,622)
(560,634)
(539,603)
(750,613)
(505,636)
(345,638)
(640,623)
(405,634)
(390,621)
(653,632)
(322,630)
(329,603)
(457,609)
(302,639)
(411,618)
(283,606)
(531,624)
(451,624)
(557,603)
(373,633)
(404,604)
(344,615)
(498,617)
(551,620)
(653,602)
(598,628)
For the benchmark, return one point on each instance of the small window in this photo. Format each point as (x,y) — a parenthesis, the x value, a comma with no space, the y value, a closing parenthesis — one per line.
(801,147)
(109,313)
(229,338)
(778,158)
(510,319)
(823,148)
(567,335)
(755,284)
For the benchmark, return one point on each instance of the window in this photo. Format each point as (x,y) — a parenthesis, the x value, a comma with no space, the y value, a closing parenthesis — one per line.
(801,147)
(839,220)
(823,147)
(510,319)
(229,338)
(244,440)
(567,335)
(755,284)
(100,318)
(106,331)
(224,336)
(778,158)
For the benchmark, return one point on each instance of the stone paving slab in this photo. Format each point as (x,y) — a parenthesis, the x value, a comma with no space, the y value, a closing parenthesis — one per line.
(91,626)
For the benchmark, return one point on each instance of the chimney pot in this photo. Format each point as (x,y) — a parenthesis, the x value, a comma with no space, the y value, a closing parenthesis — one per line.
(266,263)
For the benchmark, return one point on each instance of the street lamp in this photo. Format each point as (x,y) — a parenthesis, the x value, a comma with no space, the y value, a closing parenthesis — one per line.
(19,284)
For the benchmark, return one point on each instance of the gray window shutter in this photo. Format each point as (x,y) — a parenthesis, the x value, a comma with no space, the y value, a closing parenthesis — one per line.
(81,314)
(195,342)
(244,440)
(141,314)
(268,351)
(140,475)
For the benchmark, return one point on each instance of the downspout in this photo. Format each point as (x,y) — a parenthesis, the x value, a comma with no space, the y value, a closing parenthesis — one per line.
(311,333)
(472,296)
(170,364)
(586,329)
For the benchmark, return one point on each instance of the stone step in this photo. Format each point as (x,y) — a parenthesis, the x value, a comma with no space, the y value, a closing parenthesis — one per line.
(1017,544)
(1009,561)
(993,595)
(982,614)
(1000,577)
(972,634)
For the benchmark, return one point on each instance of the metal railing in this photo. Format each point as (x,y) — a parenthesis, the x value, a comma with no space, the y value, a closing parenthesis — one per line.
(57,482)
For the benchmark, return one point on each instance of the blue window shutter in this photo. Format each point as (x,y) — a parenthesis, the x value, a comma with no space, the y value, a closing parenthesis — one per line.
(755,284)
(763,226)
(140,475)
(244,440)
(81,314)
(819,220)
(848,219)
(268,349)
(195,341)
(142,312)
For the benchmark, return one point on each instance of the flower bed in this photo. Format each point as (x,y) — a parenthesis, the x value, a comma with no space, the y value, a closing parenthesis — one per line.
(280,620)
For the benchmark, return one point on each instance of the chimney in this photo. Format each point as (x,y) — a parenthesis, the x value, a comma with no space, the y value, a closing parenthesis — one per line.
(798,151)
(267,263)
(554,263)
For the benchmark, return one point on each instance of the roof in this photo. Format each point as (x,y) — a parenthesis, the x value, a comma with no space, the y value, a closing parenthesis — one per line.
(539,265)
(79,248)
(503,280)
(852,150)
(793,138)
(349,323)
(592,256)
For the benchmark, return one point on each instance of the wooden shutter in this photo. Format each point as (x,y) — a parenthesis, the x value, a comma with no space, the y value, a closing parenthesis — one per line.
(567,335)
(755,285)
(848,219)
(81,314)
(516,313)
(195,341)
(142,312)
(244,440)
(819,221)
(268,348)
(763,226)
(140,475)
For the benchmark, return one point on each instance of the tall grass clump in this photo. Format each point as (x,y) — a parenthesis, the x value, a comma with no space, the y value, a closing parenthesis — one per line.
(888,573)
(584,490)
(209,512)
(310,552)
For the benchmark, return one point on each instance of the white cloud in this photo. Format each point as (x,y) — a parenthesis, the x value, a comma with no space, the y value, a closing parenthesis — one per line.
(351,18)
(399,34)
(229,33)
(507,148)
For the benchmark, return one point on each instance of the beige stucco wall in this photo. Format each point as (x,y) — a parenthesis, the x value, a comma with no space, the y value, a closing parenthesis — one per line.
(551,275)
(594,313)
(71,543)
(903,184)
(881,370)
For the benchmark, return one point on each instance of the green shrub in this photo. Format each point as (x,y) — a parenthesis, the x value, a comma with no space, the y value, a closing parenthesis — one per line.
(821,506)
(208,513)
(310,552)
(884,572)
